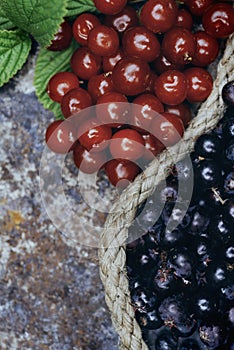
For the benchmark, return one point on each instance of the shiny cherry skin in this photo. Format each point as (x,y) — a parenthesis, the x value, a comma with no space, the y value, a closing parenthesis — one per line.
(121,171)
(218,20)
(151,81)
(182,111)
(145,107)
(103,41)
(125,19)
(82,26)
(85,64)
(197,7)
(88,161)
(127,144)
(130,75)
(141,42)
(60,83)
(207,49)
(178,45)
(159,15)
(152,146)
(162,64)
(167,128)
(184,19)
(60,136)
(109,62)
(199,83)
(110,7)
(171,87)
(74,101)
(62,39)
(99,85)
(92,135)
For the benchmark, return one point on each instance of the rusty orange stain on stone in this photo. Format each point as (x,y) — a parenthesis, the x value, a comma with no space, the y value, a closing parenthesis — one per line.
(13,219)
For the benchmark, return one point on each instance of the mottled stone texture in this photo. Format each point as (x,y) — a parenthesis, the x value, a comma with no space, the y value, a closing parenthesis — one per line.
(51,297)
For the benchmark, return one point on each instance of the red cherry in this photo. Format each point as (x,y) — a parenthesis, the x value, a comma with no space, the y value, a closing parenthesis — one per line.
(161,64)
(199,83)
(88,162)
(85,64)
(112,109)
(83,24)
(152,146)
(151,81)
(218,20)
(130,75)
(182,111)
(75,101)
(167,128)
(60,83)
(123,20)
(110,7)
(127,144)
(197,7)
(108,63)
(121,171)
(144,108)
(141,42)
(207,49)
(62,39)
(171,87)
(159,15)
(60,136)
(103,41)
(179,45)
(184,19)
(99,85)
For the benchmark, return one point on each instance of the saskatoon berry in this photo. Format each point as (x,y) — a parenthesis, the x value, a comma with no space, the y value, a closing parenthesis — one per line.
(62,39)
(184,19)
(229,184)
(88,162)
(121,171)
(60,83)
(208,173)
(228,93)
(180,261)
(207,49)
(109,62)
(85,64)
(60,136)
(165,341)
(182,111)
(74,101)
(82,26)
(208,146)
(228,210)
(228,129)
(103,41)
(123,20)
(212,334)
(148,320)
(159,15)
(110,7)
(99,85)
(229,152)
(189,344)
(197,7)
(162,64)
(199,83)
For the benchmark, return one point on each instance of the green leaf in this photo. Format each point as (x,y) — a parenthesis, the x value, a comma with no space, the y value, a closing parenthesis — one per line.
(75,7)
(14,50)
(40,18)
(48,63)
(5,23)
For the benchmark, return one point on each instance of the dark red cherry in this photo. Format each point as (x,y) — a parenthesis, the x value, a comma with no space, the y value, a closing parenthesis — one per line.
(199,83)
(130,75)
(99,85)
(103,41)
(110,7)
(62,39)
(60,136)
(197,7)
(127,144)
(171,87)
(88,162)
(151,82)
(82,25)
(60,83)
(109,62)
(75,101)
(207,49)
(85,64)
(178,45)
(159,15)
(121,171)
(184,19)
(152,146)
(182,111)
(162,64)
(123,20)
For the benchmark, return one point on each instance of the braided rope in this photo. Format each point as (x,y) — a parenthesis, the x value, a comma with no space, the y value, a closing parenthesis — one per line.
(112,253)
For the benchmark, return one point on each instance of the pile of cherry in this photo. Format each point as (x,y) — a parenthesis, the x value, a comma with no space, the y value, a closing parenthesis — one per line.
(149,56)
(182,280)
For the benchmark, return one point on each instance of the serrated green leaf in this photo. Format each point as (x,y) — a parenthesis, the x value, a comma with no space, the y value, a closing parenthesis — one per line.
(14,50)
(75,7)
(5,23)
(40,18)
(48,63)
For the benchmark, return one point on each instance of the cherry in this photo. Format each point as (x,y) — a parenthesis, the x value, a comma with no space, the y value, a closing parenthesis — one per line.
(60,136)
(83,24)
(152,146)
(121,171)
(207,49)
(92,135)
(161,64)
(141,42)
(171,87)
(130,75)
(151,82)
(182,111)
(123,20)
(88,162)
(84,63)
(99,85)
(199,82)
(127,144)
(110,7)
(112,108)
(109,62)
(74,101)
(60,83)
(62,39)
(197,7)
(179,45)
(103,41)
(168,128)
(184,19)
(218,20)
(159,15)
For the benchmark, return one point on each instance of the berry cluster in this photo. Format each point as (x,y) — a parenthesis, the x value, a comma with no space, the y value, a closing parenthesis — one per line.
(182,280)
(154,59)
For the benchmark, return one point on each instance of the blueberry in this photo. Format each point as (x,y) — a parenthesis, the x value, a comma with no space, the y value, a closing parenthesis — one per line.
(208,146)
(143,299)
(148,320)
(165,341)
(208,174)
(189,344)
(228,93)
(212,334)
